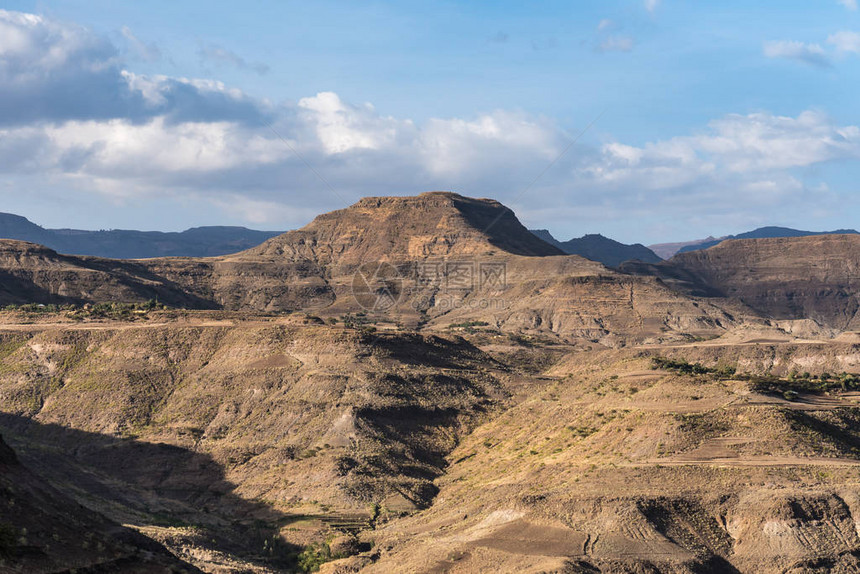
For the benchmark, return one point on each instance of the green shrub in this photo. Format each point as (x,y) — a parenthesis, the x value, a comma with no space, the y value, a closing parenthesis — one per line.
(314,556)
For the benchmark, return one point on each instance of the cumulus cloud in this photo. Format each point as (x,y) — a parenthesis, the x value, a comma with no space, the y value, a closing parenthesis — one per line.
(183,136)
(169,138)
(748,145)
(742,167)
(222,56)
(811,54)
(845,42)
(56,71)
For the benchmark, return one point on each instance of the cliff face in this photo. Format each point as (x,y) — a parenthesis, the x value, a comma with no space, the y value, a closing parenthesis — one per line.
(763,233)
(812,277)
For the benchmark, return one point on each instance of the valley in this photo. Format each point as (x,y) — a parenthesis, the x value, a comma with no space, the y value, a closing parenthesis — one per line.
(485,404)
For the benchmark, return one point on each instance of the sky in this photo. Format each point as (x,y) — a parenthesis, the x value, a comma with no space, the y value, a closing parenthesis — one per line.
(645,120)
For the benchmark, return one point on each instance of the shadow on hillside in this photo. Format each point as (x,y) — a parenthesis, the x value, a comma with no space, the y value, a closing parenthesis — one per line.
(150,484)
(147,283)
(430,351)
(17,290)
(22,288)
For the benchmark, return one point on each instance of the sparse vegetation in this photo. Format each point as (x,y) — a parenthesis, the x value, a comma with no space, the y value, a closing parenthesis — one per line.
(789,386)
(314,556)
(468,326)
(681,366)
(806,383)
(115,311)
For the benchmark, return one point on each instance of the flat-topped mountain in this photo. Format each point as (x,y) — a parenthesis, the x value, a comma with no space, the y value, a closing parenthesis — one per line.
(599,248)
(536,287)
(387,228)
(814,277)
(129,244)
(667,250)
(769,232)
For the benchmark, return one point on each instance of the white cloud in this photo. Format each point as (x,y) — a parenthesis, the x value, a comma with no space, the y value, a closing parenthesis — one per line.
(850,4)
(812,54)
(222,56)
(845,41)
(652,5)
(616,44)
(604,24)
(742,166)
(340,127)
(205,142)
(736,144)
(497,142)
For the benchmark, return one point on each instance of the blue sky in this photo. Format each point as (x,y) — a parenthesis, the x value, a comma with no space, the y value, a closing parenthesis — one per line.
(716,117)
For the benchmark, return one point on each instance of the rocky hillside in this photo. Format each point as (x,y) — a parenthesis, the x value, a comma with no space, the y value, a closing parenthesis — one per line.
(31,273)
(42,530)
(611,465)
(452,260)
(811,277)
(198,431)
(262,444)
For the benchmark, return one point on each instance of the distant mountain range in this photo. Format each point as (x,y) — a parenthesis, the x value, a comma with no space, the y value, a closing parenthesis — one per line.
(214,241)
(599,248)
(667,250)
(128,244)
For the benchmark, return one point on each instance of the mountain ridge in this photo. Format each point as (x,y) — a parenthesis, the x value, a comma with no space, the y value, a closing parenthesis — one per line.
(206,241)
(668,250)
(600,248)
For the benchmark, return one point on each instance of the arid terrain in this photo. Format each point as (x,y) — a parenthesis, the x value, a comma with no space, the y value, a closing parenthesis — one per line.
(420,384)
